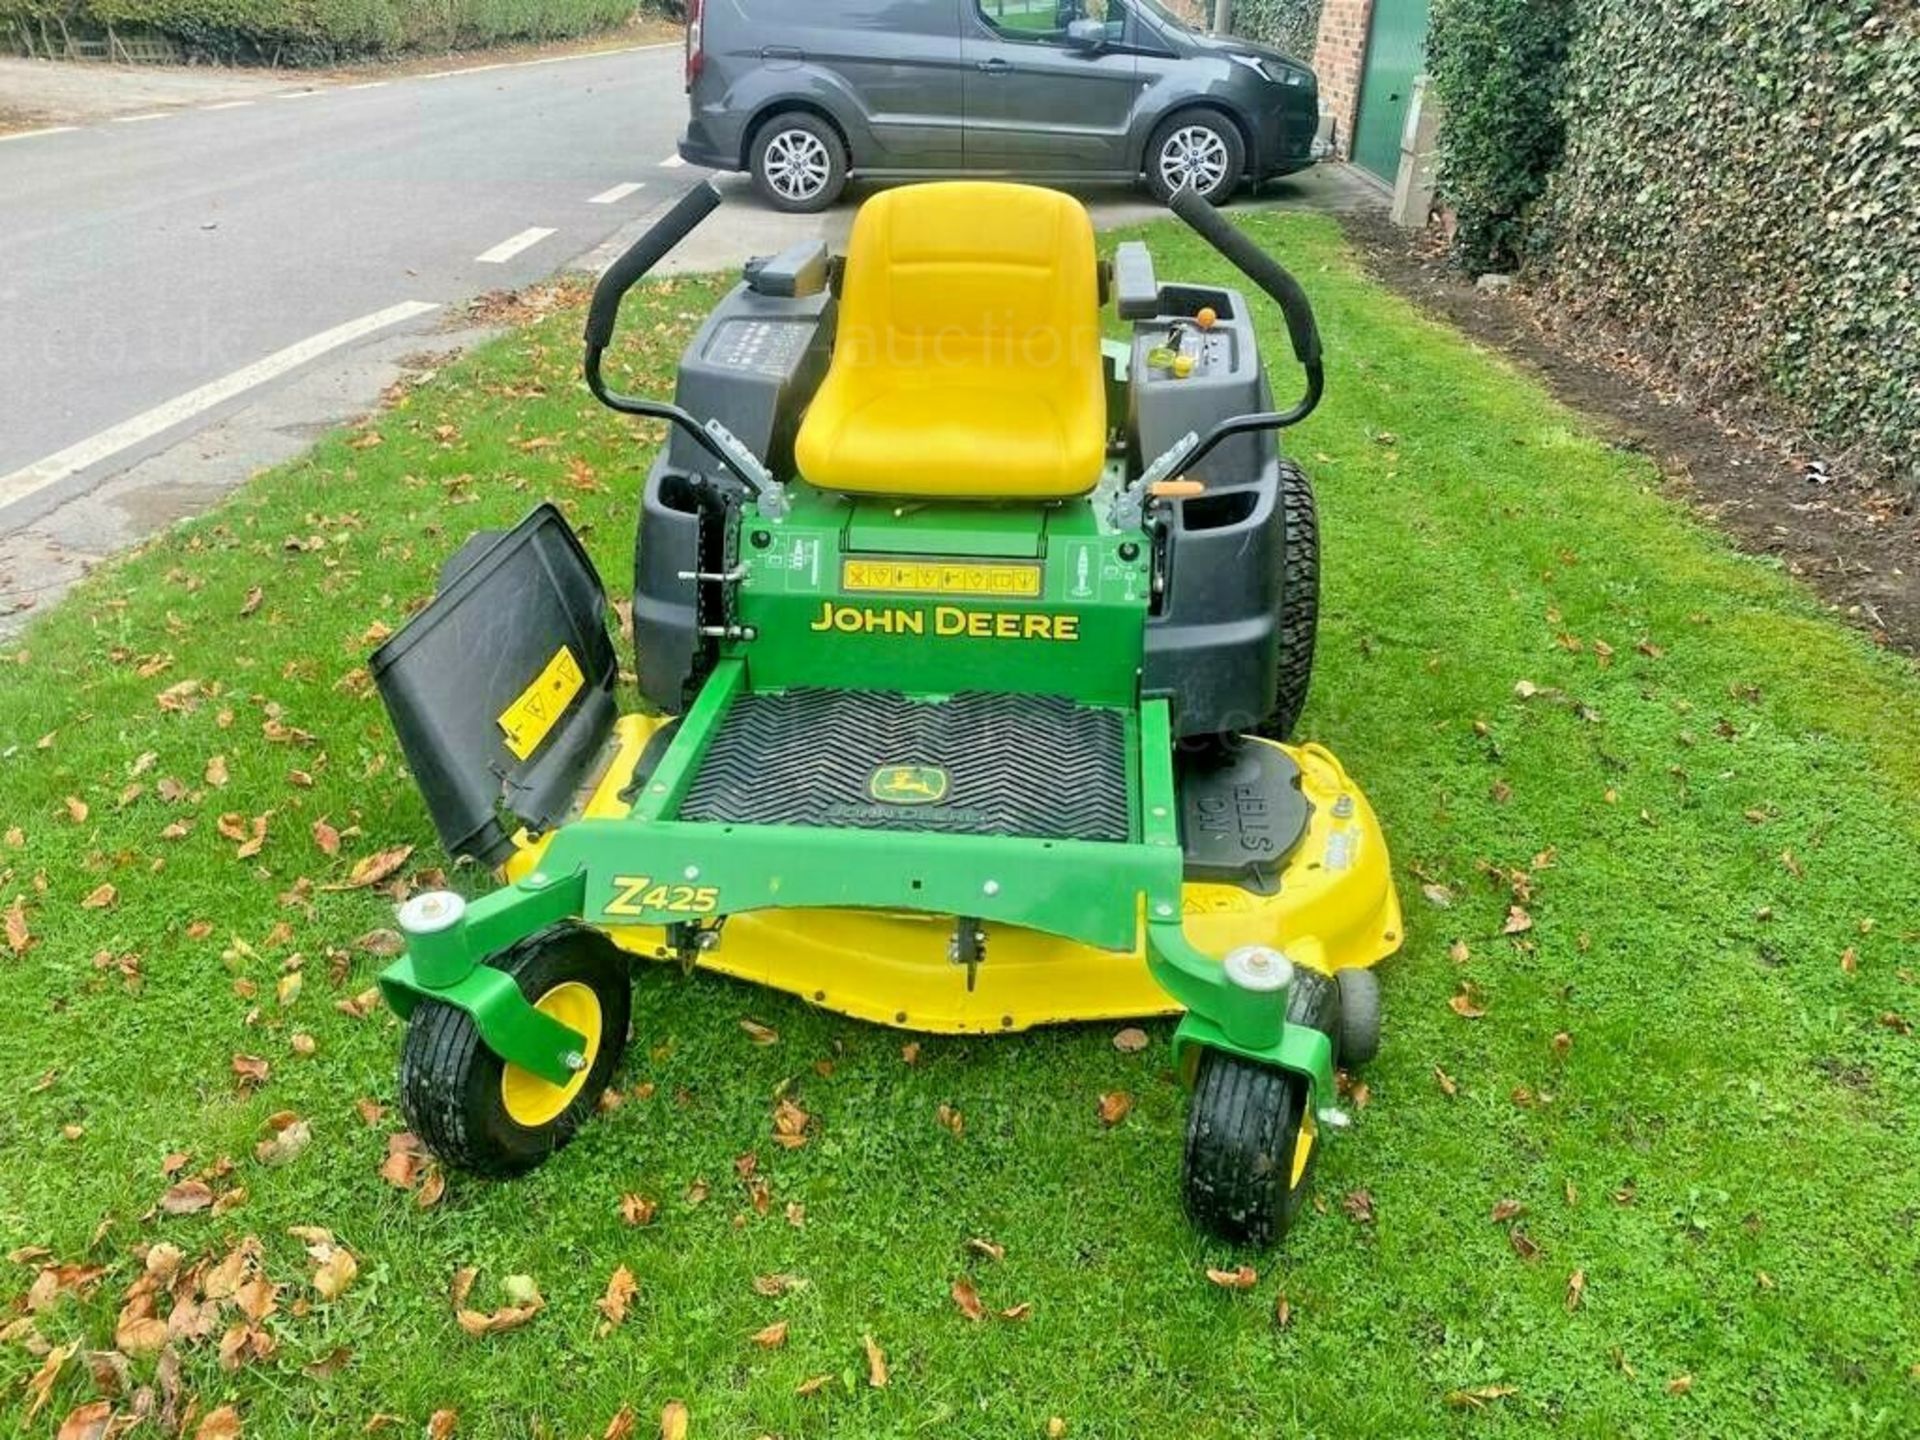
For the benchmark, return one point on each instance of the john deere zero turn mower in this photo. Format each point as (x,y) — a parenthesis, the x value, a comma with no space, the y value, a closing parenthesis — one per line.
(970,644)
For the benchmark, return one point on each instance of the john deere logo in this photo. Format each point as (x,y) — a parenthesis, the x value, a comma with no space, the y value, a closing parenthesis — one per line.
(908,785)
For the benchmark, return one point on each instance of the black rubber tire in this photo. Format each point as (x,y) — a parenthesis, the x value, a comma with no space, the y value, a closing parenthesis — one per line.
(1299,601)
(1230,139)
(1359,1017)
(450,1080)
(1243,1125)
(836,156)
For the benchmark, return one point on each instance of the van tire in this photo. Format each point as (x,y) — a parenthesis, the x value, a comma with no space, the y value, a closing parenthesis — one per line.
(1214,146)
(799,163)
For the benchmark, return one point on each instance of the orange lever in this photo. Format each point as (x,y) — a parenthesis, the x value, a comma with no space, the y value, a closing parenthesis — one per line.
(1180,489)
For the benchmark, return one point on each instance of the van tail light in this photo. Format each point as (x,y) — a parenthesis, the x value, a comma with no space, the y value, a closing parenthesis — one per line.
(696,47)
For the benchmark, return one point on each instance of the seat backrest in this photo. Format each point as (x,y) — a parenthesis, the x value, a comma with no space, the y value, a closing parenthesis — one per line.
(971,271)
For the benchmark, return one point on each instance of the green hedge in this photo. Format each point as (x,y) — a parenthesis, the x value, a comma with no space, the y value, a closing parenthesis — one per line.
(1742,186)
(1496,66)
(1291,25)
(294,31)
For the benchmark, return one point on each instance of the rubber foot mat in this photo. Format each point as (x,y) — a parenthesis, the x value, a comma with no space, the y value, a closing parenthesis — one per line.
(1035,766)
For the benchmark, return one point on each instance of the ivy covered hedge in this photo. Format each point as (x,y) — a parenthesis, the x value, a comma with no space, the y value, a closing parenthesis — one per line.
(1497,66)
(1737,185)
(1741,185)
(317,31)
(1290,25)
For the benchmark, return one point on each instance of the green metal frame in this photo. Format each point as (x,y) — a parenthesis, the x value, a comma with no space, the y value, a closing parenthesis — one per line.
(651,869)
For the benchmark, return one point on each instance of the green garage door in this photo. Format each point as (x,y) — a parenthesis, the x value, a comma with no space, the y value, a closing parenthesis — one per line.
(1396,49)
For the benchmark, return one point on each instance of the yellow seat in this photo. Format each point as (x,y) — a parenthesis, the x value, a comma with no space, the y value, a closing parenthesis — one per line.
(967,363)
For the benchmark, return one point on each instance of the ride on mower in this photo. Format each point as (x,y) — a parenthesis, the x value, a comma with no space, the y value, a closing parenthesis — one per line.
(971,643)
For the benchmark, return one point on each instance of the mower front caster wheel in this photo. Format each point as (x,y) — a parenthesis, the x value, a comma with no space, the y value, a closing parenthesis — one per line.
(1359,1017)
(476,1111)
(1250,1149)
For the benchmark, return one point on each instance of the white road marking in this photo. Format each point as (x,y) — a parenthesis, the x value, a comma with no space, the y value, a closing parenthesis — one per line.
(365,85)
(136,119)
(617,193)
(71,461)
(546,60)
(672,162)
(507,249)
(43,130)
(298,94)
(227,105)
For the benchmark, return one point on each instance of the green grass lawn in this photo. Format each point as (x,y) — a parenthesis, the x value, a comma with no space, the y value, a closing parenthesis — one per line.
(1693,1084)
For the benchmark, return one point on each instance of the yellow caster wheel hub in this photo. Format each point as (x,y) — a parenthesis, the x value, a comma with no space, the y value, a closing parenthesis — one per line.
(533,1102)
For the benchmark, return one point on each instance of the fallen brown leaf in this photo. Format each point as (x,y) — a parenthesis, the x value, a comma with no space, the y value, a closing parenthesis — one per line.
(221,1424)
(968,1299)
(1131,1041)
(335,1275)
(673,1421)
(989,1249)
(187,1198)
(19,937)
(1576,1288)
(772,1337)
(1114,1107)
(372,869)
(1506,1209)
(86,1422)
(1243,1278)
(621,1289)
(1465,1003)
(760,1034)
(101,898)
(876,1363)
(40,1386)
(638,1209)
(1359,1206)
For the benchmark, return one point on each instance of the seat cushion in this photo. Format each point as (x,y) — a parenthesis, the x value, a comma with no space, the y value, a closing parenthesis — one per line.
(967,358)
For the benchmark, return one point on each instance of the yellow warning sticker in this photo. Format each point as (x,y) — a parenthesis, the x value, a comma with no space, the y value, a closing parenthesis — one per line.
(527,721)
(941,577)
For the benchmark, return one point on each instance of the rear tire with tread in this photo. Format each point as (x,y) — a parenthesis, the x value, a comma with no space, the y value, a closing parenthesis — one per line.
(1299,625)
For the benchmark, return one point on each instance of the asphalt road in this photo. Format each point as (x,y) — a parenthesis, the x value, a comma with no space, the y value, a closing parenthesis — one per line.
(155,265)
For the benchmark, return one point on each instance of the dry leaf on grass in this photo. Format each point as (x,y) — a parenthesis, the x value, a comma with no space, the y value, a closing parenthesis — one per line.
(638,1209)
(40,1386)
(101,898)
(989,1249)
(876,1363)
(221,1424)
(189,1197)
(673,1421)
(372,869)
(335,1275)
(19,937)
(620,1292)
(1243,1278)
(771,1337)
(968,1299)
(1466,1003)
(1576,1289)
(1114,1107)
(87,1422)
(1131,1041)
(760,1034)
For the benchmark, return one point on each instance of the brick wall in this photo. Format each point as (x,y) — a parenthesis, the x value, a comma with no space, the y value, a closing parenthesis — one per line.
(1338,60)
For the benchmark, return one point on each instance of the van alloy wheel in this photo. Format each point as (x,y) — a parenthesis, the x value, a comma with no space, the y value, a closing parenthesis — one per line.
(797,164)
(1194,155)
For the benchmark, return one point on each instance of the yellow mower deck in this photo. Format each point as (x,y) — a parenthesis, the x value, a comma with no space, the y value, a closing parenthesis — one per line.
(1335,908)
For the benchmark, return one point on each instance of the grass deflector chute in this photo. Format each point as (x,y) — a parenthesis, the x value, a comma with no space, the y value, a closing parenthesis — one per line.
(972,643)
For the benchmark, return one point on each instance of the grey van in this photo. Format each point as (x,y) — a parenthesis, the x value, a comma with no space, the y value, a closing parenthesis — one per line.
(805,93)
